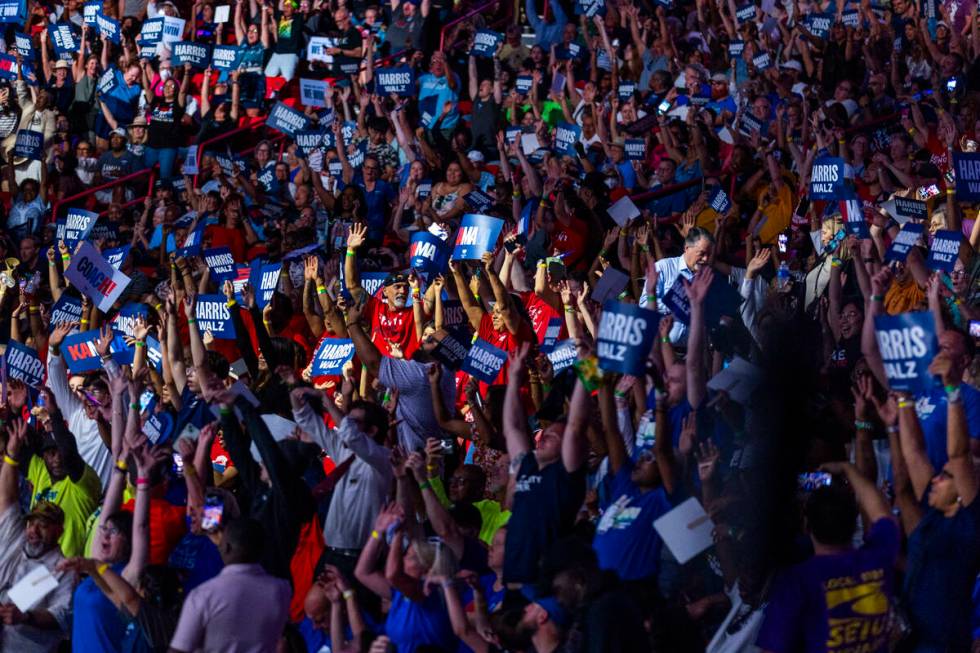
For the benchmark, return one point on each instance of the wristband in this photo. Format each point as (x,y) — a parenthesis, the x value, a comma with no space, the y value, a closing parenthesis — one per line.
(665,340)
(877,298)
(950,389)
(33,309)
(10,461)
(157,307)
(374,535)
(651,298)
(224,410)
(425,485)
(52,264)
(569,309)
(65,257)
(321,290)
(954,396)
(891,429)
(84,321)
(351,253)
(905,403)
(230,303)
(645,248)
(862,425)
(619,393)
(139,343)
(134,406)
(191,320)
(101,568)
(835,262)
(121,465)
(950,191)
(347,594)
(911,131)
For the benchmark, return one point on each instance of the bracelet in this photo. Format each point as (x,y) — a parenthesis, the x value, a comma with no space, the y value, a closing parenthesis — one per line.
(569,309)
(911,131)
(893,428)
(321,290)
(101,568)
(665,340)
(142,481)
(121,465)
(33,309)
(950,389)
(347,594)
(84,320)
(65,257)
(52,264)
(157,307)
(619,393)
(862,425)
(953,397)
(10,461)
(139,343)
(224,410)
(905,403)
(835,262)
(425,485)
(192,320)
(374,535)
(651,298)
(230,303)
(645,248)
(877,298)
(351,253)
(134,406)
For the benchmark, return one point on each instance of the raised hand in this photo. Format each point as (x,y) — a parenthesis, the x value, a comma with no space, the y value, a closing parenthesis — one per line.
(697,289)
(707,457)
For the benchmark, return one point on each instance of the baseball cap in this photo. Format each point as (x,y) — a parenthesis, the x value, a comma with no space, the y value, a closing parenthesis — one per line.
(47,510)
(476,156)
(48,442)
(719,77)
(118,131)
(395,277)
(792,65)
(557,614)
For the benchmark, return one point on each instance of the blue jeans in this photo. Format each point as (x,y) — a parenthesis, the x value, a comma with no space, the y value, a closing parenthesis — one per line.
(165,156)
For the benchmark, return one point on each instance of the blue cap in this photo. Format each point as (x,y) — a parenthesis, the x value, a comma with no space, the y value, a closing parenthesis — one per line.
(556,613)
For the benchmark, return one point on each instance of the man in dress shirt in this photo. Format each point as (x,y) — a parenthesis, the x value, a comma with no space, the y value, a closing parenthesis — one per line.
(699,247)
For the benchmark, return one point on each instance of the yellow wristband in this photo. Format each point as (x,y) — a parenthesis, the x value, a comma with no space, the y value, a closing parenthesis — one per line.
(231,303)
(121,465)
(101,568)
(10,461)
(347,594)
(375,536)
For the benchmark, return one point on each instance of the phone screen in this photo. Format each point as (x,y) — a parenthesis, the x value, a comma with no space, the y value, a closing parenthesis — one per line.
(975,328)
(783,238)
(178,464)
(664,107)
(951,85)
(214,509)
(813,480)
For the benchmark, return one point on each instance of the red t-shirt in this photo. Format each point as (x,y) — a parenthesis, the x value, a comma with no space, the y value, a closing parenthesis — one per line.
(505,340)
(391,326)
(233,239)
(541,313)
(570,240)
(167,527)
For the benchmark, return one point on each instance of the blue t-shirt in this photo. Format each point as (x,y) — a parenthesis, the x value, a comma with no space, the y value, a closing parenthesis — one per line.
(377,201)
(122,99)
(932,411)
(96,623)
(837,602)
(625,540)
(434,92)
(669,204)
(198,560)
(411,624)
(628,174)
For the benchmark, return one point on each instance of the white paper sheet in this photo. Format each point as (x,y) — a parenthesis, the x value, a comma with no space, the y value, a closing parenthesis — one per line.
(623,211)
(686,530)
(32,588)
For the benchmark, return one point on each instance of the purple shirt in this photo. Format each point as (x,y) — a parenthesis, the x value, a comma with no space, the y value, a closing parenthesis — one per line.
(241,610)
(835,602)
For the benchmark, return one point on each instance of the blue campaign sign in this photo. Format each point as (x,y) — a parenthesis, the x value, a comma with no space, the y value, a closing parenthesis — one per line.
(428,112)
(125,322)
(827,179)
(571,51)
(90,9)
(65,310)
(24,45)
(523,84)
(226,57)
(104,230)
(486,42)
(265,279)
(108,27)
(904,242)
(735,49)
(311,139)
(477,234)
(484,361)
(967,165)
(478,201)
(221,262)
(371,282)
(13,11)
(635,148)
(121,352)
(197,55)
(907,343)
(152,31)
(213,315)
(8,67)
(819,24)
(287,120)
(157,239)
(63,37)
(400,81)
(562,356)
(79,352)
(331,356)
(566,136)
(76,226)
(428,253)
(154,354)
(762,61)
(626,334)
(854,221)
(945,250)
(107,82)
(117,255)
(676,300)
(159,427)
(551,335)
(301,252)
(719,201)
(745,13)
(851,18)
(29,144)
(626,91)
(23,364)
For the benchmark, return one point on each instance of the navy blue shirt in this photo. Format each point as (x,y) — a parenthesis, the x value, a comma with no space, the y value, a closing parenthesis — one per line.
(932,410)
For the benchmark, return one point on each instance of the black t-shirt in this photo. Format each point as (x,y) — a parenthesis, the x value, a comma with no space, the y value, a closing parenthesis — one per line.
(290,35)
(348,39)
(486,116)
(545,504)
(164,128)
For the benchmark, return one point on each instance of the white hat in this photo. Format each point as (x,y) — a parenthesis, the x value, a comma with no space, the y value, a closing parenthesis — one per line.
(476,156)
(792,64)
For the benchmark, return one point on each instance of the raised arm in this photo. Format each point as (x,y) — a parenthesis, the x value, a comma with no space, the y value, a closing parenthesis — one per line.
(957,429)
(515,425)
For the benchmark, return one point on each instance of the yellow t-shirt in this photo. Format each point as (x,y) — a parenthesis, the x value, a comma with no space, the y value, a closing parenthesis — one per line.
(77,500)
(493,519)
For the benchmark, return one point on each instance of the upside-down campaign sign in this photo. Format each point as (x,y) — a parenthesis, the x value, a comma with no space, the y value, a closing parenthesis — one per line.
(477,234)
(66,309)
(907,343)
(626,334)
(332,355)
(213,315)
(23,364)
(95,277)
(484,361)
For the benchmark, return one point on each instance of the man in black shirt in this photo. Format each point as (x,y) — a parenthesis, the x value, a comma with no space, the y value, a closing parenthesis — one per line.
(347,50)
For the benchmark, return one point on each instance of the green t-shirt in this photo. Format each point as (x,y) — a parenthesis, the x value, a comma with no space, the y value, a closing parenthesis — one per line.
(77,500)
(493,518)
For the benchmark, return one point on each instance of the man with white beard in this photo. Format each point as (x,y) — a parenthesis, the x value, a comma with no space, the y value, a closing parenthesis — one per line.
(28,542)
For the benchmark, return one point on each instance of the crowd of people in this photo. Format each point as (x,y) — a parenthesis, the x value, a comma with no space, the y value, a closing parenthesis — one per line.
(583,326)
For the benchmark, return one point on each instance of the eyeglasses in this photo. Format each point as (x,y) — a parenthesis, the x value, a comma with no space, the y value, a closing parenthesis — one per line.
(110,530)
